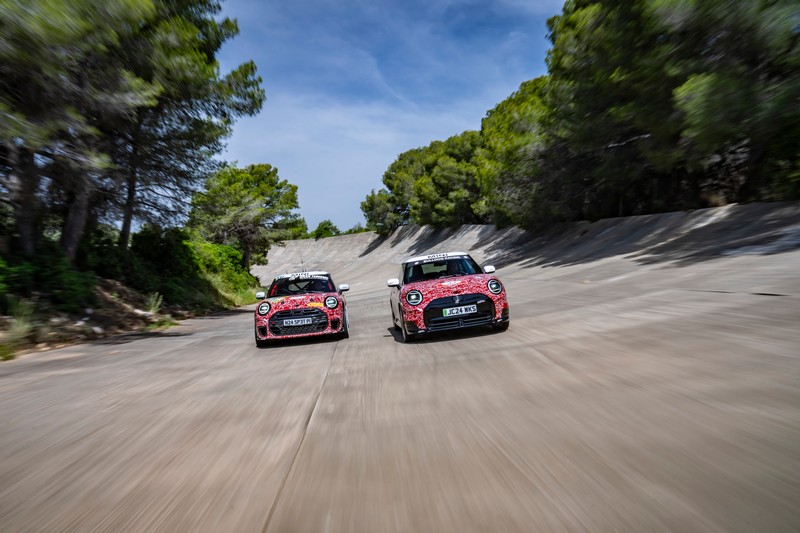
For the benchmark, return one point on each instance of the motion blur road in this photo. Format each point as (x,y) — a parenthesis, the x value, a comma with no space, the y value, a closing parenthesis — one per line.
(633,392)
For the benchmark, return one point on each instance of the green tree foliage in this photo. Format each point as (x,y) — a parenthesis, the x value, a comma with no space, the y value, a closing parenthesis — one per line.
(183,269)
(172,262)
(648,105)
(164,152)
(326,228)
(357,228)
(223,267)
(399,180)
(447,193)
(48,273)
(110,110)
(379,212)
(248,208)
(292,227)
(56,77)
(740,97)
(437,184)
(611,116)
(509,176)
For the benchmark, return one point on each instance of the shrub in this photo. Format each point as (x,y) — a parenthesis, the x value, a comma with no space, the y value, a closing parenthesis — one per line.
(154,301)
(222,265)
(100,253)
(51,275)
(69,289)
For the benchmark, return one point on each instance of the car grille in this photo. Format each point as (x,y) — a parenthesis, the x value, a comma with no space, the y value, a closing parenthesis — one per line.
(319,321)
(434,321)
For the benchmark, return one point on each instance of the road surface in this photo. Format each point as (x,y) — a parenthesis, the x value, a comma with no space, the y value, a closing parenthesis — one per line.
(650,381)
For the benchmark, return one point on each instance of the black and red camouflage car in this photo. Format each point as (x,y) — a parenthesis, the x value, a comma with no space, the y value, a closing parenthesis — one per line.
(446,291)
(301,304)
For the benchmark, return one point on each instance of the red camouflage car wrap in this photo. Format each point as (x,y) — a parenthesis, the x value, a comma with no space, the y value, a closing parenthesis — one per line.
(315,301)
(440,288)
(301,304)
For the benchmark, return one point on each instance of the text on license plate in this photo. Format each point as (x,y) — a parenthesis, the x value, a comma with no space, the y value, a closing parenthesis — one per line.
(463,310)
(297,321)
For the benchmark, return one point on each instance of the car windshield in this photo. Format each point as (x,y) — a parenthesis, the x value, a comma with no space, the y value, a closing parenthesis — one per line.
(443,268)
(300,285)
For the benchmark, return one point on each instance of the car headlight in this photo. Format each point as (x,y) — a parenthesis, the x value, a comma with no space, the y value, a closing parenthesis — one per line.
(495,287)
(263,308)
(414,297)
(331,302)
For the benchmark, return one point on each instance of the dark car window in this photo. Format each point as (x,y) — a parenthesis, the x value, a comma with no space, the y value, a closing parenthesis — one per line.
(300,285)
(444,268)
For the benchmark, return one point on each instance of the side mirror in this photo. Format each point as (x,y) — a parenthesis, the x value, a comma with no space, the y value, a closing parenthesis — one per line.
(261,295)
(489,269)
(343,287)
(394,282)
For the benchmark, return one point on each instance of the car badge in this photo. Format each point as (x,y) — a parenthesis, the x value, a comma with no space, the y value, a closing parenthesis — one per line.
(456,299)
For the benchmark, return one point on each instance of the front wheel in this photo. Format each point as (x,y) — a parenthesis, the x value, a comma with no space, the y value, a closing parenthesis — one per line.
(345,333)
(394,321)
(261,344)
(405,335)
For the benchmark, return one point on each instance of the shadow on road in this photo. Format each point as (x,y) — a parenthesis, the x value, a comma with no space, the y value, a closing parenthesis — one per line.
(680,238)
(444,336)
(227,313)
(303,341)
(125,338)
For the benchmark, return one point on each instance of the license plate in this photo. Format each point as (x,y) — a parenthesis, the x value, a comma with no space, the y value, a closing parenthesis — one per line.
(463,310)
(297,322)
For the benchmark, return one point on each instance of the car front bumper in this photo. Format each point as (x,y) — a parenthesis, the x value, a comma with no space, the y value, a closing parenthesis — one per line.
(429,318)
(322,322)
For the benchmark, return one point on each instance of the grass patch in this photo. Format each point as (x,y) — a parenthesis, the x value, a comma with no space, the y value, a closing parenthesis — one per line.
(21,327)
(162,322)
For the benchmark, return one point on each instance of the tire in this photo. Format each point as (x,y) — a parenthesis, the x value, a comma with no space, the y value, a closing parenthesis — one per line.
(345,333)
(261,344)
(405,335)
(394,320)
(501,327)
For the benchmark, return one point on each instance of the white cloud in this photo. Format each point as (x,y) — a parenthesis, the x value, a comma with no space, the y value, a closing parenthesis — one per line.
(336,153)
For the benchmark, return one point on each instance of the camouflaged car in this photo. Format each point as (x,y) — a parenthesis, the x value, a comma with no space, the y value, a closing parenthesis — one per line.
(446,291)
(301,304)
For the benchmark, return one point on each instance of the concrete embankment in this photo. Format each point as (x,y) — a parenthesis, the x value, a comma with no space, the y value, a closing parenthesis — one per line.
(632,243)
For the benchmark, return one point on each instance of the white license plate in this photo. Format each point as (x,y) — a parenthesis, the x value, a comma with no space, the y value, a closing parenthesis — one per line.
(463,310)
(297,322)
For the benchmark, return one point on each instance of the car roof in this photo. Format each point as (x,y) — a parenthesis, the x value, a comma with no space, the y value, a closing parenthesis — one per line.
(301,275)
(434,257)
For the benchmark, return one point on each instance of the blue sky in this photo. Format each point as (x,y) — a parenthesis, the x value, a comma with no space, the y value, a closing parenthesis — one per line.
(351,84)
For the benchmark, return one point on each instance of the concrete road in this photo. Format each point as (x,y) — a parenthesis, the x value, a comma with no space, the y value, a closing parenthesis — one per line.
(633,392)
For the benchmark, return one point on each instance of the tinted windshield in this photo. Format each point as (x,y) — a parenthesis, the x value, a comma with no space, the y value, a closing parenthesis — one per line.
(300,285)
(442,268)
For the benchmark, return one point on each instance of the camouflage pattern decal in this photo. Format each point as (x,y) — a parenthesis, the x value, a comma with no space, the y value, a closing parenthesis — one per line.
(440,288)
(314,301)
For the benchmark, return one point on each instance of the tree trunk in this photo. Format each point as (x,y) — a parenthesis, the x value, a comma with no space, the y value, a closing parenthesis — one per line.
(130,202)
(246,255)
(76,218)
(754,187)
(23,184)
(130,199)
